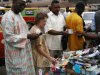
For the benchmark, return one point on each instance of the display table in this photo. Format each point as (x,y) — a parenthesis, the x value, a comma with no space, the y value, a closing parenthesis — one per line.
(79,62)
(94,70)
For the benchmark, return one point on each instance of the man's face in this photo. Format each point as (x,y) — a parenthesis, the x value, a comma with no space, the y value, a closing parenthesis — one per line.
(19,6)
(55,8)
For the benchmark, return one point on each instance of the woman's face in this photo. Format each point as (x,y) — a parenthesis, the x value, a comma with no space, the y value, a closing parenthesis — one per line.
(42,22)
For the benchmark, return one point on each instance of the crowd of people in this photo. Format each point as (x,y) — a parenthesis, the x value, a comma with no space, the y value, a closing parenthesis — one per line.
(29,50)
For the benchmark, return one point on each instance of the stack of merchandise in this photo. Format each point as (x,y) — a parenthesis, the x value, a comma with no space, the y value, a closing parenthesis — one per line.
(60,67)
(88,59)
(78,61)
(57,70)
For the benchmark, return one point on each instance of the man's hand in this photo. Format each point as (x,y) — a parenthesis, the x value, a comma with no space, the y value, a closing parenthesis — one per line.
(33,36)
(79,33)
(64,32)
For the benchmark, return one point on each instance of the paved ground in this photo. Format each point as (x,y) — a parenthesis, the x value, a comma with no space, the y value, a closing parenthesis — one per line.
(2,70)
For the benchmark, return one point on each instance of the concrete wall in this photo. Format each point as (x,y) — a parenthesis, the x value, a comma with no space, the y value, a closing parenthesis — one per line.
(41,0)
(88,1)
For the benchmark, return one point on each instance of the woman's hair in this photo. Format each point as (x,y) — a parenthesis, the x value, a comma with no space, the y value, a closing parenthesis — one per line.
(40,16)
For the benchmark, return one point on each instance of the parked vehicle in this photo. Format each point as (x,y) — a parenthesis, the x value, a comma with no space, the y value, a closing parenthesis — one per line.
(90,26)
(89,20)
(28,14)
(1,48)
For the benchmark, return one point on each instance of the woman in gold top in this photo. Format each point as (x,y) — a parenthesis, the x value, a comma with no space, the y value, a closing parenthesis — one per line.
(41,54)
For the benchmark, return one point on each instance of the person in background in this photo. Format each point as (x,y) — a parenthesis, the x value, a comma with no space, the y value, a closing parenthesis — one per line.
(40,51)
(18,52)
(54,29)
(67,12)
(75,22)
(95,35)
(97,25)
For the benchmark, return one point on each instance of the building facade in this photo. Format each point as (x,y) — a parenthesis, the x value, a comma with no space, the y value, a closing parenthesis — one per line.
(47,0)
(87,1)
(74,1)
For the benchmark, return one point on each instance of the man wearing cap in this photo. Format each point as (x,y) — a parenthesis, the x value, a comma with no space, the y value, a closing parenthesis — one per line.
(18,54)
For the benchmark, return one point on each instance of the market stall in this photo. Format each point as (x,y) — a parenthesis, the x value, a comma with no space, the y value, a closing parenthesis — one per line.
(85,62)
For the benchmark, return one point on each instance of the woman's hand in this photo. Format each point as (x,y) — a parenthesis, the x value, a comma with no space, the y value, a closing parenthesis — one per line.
(33,36)
(53,60)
